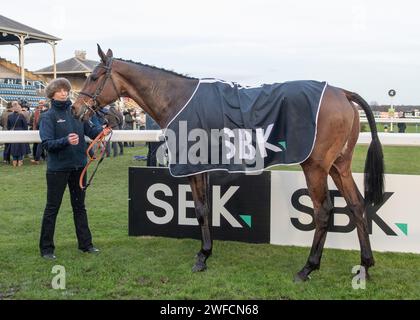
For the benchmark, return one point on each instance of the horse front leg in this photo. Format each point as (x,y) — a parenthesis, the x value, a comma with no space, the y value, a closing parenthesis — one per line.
(200,189)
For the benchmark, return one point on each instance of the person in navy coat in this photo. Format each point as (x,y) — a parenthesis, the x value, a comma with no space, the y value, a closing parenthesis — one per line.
(17,122)
(62,137)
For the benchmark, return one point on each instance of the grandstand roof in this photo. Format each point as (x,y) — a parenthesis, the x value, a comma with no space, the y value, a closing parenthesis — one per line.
(9,29)
(77,64)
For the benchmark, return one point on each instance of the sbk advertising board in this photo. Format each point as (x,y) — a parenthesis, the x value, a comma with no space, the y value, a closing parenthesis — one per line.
(272,207)
(393,226)
(161,205)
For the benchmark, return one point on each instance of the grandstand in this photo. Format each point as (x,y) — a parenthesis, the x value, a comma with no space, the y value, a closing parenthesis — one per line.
(11,88)
(12,92)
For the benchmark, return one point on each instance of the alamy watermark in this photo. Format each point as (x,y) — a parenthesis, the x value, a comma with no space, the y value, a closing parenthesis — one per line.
(359,280)
(59,281)
(245,147)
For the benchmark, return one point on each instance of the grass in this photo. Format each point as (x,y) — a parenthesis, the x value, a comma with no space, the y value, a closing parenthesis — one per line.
(159,268)
(411,127)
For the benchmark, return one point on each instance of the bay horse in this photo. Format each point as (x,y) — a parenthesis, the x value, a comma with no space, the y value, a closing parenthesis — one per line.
(162,93)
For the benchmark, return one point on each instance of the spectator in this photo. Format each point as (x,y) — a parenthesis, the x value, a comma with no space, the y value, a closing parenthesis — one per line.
(63,138)
(401,125)
(25,110)
(3,122)
(129,117)
(26,113)
(34,123)
(142,120)
(115,121)
(40,152)
(5,115)
(17,122)
(120,127)
(153,146)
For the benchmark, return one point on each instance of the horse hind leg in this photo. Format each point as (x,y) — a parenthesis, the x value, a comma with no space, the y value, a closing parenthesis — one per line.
(341,174)
(200,187)
(316,178)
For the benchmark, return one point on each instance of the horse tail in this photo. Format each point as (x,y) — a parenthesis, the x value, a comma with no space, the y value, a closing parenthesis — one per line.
(374,166)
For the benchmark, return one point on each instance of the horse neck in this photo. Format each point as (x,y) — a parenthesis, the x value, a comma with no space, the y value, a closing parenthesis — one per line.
(160,93)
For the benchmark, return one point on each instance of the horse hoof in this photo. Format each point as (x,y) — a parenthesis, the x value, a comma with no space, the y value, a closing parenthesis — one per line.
(299,277)
(199,266)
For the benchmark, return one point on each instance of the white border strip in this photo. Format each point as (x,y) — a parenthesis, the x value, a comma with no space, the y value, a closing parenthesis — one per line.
(182,109)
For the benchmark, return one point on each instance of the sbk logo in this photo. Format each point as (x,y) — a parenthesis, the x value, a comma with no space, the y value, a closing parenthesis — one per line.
(218,205)
(372,215)
(161,205)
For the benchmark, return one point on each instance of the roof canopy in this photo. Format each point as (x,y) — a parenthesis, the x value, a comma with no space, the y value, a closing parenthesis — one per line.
(10,30)
(77,64)
(18,34)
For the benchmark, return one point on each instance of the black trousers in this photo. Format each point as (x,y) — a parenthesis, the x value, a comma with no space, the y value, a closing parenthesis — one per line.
(56,185)
(34,148)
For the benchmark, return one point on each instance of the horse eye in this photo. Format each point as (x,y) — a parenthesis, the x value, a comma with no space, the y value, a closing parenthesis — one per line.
(94,78)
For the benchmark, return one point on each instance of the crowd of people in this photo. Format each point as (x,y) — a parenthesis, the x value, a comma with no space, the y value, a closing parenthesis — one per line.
(18,116)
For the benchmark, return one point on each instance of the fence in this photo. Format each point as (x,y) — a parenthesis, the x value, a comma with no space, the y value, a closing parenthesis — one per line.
(387,139)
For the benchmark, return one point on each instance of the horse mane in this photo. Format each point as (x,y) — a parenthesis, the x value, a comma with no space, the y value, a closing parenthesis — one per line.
(157,68)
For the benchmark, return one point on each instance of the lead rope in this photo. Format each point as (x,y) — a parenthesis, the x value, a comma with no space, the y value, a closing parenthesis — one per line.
(101,143)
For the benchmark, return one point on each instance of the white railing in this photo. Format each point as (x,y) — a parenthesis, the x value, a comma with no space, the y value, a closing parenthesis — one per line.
(392,139)
(387,139)
(117,136)
(393,120)
(39,85)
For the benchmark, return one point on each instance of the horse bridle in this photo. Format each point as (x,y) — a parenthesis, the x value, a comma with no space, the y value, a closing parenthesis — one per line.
(94,107)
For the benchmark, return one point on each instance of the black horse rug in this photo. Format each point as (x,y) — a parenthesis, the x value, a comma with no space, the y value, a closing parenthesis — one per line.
(225,126)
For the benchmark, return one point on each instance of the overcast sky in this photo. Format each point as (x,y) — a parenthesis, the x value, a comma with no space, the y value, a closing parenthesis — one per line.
(366,46)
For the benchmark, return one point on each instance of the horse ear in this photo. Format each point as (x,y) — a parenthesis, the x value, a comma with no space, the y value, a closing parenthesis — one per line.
(102,54)
(109,53)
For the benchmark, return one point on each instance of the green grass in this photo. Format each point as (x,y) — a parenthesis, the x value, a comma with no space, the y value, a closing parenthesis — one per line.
(160,268)
(411,127)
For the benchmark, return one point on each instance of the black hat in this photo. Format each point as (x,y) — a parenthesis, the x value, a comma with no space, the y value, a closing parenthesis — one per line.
(23,103)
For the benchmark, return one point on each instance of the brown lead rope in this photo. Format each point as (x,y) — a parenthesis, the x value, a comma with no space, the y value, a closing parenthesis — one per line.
(101,144)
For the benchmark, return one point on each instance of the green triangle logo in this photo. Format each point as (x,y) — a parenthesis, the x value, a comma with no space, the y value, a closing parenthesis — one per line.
(403,227)
(247,219)
(283,144)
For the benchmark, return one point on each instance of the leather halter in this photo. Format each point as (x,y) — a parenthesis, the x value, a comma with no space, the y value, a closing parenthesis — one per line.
(94,106)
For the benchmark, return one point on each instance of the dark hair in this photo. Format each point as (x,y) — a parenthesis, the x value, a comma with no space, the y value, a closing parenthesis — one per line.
(23,103)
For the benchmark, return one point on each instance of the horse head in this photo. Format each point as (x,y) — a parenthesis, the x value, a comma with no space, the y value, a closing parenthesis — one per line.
(102,87)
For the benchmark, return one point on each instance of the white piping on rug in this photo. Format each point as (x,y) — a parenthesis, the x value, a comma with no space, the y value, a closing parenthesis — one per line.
(167,126)
(316,122)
